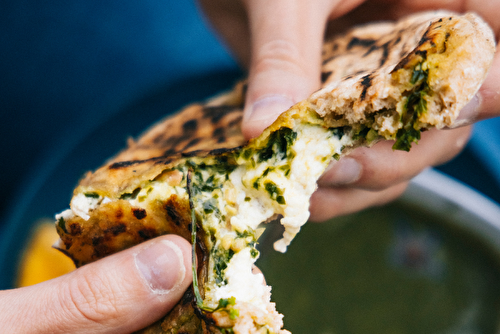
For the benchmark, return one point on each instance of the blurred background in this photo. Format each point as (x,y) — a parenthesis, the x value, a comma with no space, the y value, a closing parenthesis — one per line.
(80,77)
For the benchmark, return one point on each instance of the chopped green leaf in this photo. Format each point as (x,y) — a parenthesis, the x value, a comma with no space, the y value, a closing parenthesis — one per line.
(221,259)
(361,133)
(274,192)
(405,138)
(281,200)
(247,154)
(62,224)
(224,302)
(131,195)
(233,313)
(278,145)
(338,132)
(415,106)
(419,75)
(245,234)
(210,206)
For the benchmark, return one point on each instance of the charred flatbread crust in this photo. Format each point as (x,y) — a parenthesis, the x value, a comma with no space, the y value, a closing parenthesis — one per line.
(382,81)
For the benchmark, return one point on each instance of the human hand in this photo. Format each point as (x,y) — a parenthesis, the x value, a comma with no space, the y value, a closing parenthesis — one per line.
(280,43)
(121,293)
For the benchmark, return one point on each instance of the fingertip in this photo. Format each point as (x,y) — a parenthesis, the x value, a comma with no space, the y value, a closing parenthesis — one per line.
(286,42)
(469,114)
(164,266)
(344,172)
(327,203)
(263,113)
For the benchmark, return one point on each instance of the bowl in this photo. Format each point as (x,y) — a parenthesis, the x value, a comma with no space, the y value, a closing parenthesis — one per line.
(427,263)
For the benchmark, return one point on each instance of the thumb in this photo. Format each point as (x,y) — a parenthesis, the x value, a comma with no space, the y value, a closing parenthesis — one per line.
(118,294)
(286,38)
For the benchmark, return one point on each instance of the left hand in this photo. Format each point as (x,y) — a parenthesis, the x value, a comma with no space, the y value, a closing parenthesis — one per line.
(121,293)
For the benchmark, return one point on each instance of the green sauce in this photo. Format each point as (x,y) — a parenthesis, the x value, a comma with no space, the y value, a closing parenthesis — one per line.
(385,270)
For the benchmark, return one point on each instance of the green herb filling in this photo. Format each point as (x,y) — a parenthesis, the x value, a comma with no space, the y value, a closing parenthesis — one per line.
(415,106)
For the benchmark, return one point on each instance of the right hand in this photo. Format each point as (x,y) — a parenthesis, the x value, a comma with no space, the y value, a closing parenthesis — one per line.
(279,41)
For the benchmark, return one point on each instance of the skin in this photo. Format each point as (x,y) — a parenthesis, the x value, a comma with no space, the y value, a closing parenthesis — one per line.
(107,296)
(279,41)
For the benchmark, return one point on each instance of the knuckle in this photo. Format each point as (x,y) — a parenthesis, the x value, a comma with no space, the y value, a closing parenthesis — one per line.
(382,170)
(394,192)
(278,54)
(457,140)
(91,298)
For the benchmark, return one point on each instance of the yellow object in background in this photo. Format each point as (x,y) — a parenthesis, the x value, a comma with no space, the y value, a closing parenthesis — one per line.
(40,261)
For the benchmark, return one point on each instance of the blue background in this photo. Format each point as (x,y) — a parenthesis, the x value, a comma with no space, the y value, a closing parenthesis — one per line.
(79,77)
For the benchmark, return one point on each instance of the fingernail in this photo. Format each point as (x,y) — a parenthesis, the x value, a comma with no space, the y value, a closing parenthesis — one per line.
(343,172)
(269,107)
(161,265)
(469,113)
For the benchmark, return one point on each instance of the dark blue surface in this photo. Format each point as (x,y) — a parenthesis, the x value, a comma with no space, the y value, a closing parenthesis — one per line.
(485,144)
(79,77)
(66,66)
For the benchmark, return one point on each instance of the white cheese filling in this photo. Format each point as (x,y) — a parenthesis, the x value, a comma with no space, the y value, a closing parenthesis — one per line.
(243,203)
(242,283)
(314,148)
(81,205)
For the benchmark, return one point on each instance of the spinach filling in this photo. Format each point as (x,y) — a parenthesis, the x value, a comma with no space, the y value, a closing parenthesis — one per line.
(274,192)
(132,195)
(278,145)
(221,259)
(415,106)
(62,224)
(252,243)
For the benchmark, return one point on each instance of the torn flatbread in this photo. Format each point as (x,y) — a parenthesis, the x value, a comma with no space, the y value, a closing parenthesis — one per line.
(382,81)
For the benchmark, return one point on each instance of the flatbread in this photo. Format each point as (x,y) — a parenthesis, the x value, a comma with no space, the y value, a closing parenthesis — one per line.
(382,81)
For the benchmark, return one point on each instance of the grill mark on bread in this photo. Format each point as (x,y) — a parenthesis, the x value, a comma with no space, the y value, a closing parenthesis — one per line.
(173,214)
(116,229)
(191,154)
(190,126)
(147,233)
(325,76)
(366,82)
(158,160)
(220,151)
(236,121)
(370,50)
(98,240)
(176,211)
(216,113)
(385,53)
(192,143)
(219,135)
(139,213)
(355,41)
(124,164)
(170,151)
(329,59)
(75,229)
